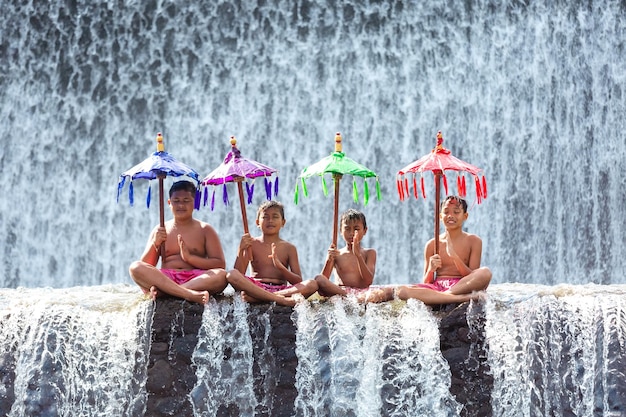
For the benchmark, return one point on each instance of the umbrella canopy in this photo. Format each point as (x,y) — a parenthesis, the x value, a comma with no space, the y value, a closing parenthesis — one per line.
(338,165)
(236,168)
(438,161)
(158,166)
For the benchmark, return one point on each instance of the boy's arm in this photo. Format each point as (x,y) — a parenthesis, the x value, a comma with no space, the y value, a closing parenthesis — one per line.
(367,266)
(291,272)
(476,248)
(214,255)
(329,264)
(152,250)
(243,253)
(430,265)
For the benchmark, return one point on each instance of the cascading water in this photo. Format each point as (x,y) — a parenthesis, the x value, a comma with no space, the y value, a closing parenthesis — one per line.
(532,93)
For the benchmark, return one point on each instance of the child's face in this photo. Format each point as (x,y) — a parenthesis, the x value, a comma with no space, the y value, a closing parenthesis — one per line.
(350,227)
(270,220)
(452,214)
(181,202)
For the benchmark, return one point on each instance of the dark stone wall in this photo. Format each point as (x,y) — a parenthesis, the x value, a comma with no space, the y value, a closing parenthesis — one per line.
(171,374)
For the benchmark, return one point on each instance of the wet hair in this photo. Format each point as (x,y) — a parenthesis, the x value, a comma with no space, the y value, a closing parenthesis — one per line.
(352,215)
(183,186)
(453,198)
(268,205)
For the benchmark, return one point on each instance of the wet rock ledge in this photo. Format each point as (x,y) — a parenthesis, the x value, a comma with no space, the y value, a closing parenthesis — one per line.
(175,325)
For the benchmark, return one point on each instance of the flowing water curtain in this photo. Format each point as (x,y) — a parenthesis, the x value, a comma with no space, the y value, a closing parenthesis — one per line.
(68,359)
(417,377)
(554,355)
(383,360)
(223,360)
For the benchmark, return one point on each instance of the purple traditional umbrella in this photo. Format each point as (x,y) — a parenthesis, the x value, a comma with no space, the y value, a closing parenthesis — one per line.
(236,168)
(159,165)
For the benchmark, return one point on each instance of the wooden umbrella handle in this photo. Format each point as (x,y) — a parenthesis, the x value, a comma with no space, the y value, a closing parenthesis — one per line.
(161,216)
(336,178)
(244,215)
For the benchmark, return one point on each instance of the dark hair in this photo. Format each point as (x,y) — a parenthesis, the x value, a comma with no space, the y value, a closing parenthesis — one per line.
(268,205)
(183,186)
(351,215)
(461,202)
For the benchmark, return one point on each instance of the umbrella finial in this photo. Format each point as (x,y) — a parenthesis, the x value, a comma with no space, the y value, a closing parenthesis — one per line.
(160,145)
(439,141)
(338,147)
(233,141)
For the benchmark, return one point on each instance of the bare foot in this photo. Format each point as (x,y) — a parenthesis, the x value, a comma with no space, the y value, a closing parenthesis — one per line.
(200,297)
(286,301)
(154,293)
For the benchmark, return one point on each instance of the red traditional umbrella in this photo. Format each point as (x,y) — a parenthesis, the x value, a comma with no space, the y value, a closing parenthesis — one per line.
(236,168)
(438,161)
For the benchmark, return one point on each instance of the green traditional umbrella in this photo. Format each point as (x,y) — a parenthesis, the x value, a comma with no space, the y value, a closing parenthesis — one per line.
(338,165)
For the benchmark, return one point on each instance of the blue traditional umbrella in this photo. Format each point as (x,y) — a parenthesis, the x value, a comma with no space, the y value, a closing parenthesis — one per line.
(158,166)
(338,164)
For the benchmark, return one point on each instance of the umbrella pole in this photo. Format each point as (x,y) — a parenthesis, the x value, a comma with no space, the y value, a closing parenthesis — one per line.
(242,205)
(437,215)
(244,216)
(336,177)
(161,215)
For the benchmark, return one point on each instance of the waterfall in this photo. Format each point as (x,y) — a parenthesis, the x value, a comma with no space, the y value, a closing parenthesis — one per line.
(69,352)
(533,94)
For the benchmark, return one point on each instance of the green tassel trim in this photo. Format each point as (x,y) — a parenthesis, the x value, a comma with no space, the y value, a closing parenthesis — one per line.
(366,193)
(295,196)
(304,190)
(324,187)
(355,192)
(378,197)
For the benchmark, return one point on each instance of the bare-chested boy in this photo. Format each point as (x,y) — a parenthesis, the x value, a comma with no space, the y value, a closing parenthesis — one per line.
(454,275)
(194,263)
(354,265)
(276,275)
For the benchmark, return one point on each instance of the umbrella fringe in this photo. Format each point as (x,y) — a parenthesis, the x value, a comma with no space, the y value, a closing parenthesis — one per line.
(131,194)
(478,190)
(464,186)
(445,182)
(366,193)
(324,187)
(149,196)
(276,188)
(120,185)
(406,187)
(268,188)
(304,190)
(484,187)
(423,187)
(198,199)
(250,192)
(295,194)
(355,192)
(399,186)
(378,195)
(205,200)
(459,189)
(225,194)
(213,200)
(415,193)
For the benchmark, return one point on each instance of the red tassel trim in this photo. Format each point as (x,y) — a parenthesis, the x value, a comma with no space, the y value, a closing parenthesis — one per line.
(415,193)
(406,186)
(484,187)
(459,190)
(445,183)
(463,187)
(400,194)
(478,190)
(423,189)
